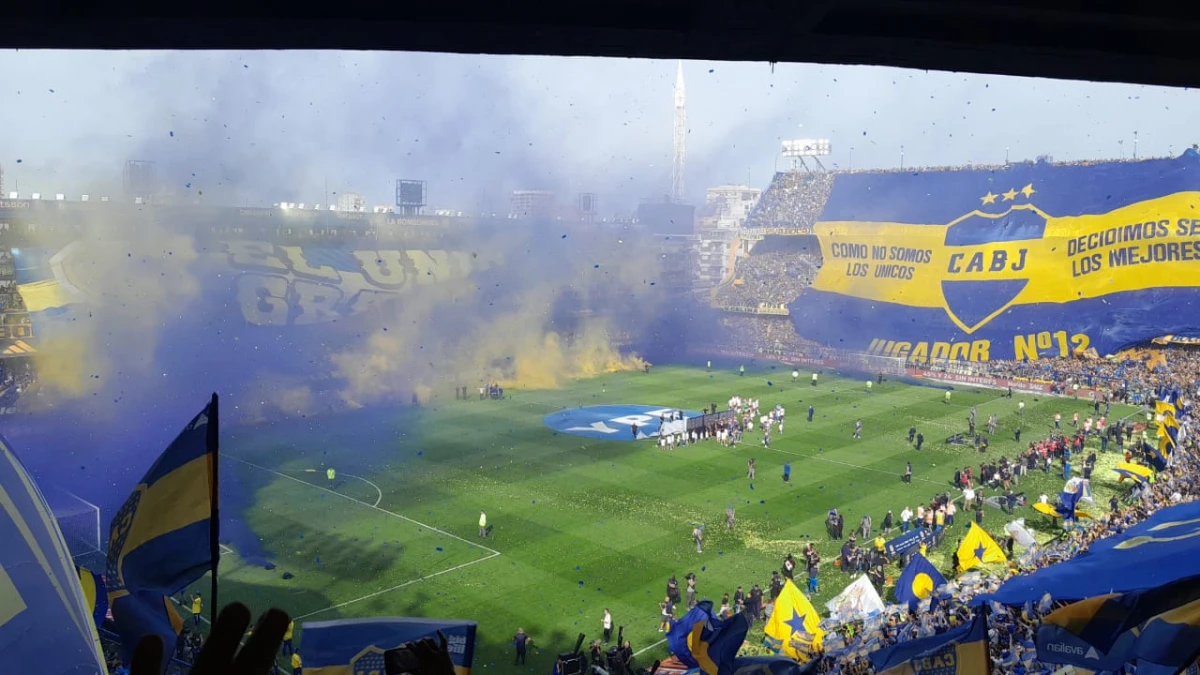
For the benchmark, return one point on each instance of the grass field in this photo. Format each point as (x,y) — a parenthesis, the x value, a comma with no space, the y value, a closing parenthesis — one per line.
(583,524)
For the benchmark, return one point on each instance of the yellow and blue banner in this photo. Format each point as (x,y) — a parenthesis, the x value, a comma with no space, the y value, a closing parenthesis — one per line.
(45,623)
(1032,261)
(95,594)
(163,537)
(917,581)
(1135,472)
(160,540)
(700,640)
(1157,551)
(963,651)
(353,646)
(794,627)
(978,548)
(1158,628)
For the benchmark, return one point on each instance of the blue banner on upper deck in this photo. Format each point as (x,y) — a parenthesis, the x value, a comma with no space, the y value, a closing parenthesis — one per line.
(1034,260)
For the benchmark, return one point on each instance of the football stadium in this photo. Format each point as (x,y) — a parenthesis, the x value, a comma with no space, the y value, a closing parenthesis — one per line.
(849,421)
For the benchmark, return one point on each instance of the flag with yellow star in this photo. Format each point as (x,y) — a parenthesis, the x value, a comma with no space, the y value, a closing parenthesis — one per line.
(794,628)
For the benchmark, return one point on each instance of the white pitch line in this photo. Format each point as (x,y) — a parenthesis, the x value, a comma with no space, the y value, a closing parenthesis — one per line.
(853,466)
(225,549)
(643,650)
(398,587)
(369,506)
(377,490)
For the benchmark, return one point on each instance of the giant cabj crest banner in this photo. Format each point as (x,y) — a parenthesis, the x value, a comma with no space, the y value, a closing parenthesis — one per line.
(1034,260)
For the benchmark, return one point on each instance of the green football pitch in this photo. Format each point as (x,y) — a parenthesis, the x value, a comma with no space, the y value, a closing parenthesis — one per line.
(582,524)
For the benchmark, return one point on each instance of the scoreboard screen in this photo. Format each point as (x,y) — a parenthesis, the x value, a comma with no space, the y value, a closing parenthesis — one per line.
(410,193)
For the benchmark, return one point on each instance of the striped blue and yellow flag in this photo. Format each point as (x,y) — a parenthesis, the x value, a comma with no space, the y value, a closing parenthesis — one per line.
(162,538)
(1159,628)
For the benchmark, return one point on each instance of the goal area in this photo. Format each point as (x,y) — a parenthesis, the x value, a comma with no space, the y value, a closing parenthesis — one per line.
(79,522)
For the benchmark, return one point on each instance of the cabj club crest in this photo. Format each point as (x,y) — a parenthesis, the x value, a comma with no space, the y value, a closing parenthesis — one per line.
(986,243)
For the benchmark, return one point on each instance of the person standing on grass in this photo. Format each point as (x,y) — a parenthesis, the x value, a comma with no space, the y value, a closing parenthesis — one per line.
(482,525)
(607,626)
(197,609)
(888,523)
(857,428)
(908,472)
(667,610)
(698,535)
(811,410)
(287,638)
(330,475)
(521,642)
(297,664)
(787,473)
(729,517)
(750,469)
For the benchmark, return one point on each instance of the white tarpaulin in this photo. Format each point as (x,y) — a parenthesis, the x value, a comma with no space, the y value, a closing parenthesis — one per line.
(673,427)
(1020,533)
(860,599)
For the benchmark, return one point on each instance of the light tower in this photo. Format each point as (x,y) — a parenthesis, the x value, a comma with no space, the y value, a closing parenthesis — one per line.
(680,136)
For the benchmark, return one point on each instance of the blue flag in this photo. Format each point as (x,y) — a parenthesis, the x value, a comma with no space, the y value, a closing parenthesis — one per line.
(350,646)
(909,541)
(700,640)
(45,624)
(963,651)
(1159,628)
(917,581)
(1066,504)
(1157,551)
(161,539)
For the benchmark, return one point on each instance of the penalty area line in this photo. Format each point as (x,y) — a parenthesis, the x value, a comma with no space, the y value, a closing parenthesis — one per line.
(378,492)
(643,650)
(399,586)
(393,514)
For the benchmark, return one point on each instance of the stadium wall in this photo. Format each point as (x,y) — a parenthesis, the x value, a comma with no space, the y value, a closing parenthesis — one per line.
(1028,261)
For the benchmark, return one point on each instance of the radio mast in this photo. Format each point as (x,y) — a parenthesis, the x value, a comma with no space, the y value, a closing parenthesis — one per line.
(679,138)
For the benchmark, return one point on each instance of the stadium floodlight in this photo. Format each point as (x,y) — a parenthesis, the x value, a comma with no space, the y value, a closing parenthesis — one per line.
(36,195)
(807,147)
(58,197)
(83,198)
(104,199)
(14,195)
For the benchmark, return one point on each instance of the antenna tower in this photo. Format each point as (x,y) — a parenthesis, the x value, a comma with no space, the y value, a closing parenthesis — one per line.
(679,137)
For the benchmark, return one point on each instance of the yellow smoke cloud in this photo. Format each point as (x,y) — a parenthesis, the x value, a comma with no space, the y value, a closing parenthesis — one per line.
(130,290)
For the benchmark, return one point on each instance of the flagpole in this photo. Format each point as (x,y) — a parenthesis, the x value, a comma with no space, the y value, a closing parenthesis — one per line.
(214,523)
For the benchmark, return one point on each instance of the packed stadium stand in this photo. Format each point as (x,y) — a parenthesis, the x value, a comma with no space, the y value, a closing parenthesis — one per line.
(793,200)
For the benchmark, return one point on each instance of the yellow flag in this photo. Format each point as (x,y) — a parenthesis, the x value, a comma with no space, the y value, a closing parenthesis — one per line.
(977,548)
(793,628)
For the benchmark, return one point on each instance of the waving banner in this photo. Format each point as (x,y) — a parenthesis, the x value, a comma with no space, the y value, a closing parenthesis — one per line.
(1035,260)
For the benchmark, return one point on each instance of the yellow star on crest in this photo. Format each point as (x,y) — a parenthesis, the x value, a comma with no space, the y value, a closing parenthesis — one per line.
(1010,195)
(989,198)
(1028,191)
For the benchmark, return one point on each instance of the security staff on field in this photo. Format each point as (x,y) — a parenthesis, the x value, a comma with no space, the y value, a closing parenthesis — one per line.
(330,474)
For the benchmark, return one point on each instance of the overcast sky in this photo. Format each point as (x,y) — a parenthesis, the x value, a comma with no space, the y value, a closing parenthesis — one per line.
(263,127)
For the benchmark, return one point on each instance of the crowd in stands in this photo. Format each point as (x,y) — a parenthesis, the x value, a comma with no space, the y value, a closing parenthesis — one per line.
(764,334)
(793,200)
(17,375)
(1132,380)
(774,278)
